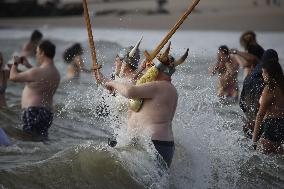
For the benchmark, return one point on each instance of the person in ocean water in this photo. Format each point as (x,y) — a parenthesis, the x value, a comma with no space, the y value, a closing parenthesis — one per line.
(126,64)
(75,64)
(37,96)
(29,49)
(227,68)
(270,116)
(253,83)
(160,98)
(4,76)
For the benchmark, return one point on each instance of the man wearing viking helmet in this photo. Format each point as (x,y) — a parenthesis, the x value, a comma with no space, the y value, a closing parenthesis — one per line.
(126,64)
(154,102)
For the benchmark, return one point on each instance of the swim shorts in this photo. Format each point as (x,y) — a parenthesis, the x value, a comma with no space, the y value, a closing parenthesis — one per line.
(36,121)
(273,129)
(165,149)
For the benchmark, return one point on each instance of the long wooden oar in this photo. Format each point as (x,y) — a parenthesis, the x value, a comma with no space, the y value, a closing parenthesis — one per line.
(96,66)
(150,57)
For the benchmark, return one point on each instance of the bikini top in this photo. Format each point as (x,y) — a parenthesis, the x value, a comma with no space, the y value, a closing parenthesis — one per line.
(4,86)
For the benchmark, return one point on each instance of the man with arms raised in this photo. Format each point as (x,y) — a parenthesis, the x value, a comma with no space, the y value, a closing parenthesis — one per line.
(159,99)
(37,96)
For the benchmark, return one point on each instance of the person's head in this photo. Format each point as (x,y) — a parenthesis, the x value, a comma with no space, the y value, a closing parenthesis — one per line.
(166,64)
(36,36)
(45,49)
(129,57)
(73,51)
(271,70)
(223,52)
(247,38)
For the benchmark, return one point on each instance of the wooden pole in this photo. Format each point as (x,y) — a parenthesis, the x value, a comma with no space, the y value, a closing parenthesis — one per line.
(90,36)
(173,30)
(150,57)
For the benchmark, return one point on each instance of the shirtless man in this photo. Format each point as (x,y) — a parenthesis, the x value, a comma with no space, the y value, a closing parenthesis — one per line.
(37,96)
(159,105)
(29,49)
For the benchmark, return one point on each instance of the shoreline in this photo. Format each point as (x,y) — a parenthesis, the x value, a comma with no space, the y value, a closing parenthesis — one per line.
(220,15)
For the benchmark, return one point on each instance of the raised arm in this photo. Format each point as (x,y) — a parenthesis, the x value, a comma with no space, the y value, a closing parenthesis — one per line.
(26,76)
(250,58)
(147,90)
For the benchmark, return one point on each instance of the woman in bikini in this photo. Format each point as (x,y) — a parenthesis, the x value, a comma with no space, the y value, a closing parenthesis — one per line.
(227,69)
(270,116)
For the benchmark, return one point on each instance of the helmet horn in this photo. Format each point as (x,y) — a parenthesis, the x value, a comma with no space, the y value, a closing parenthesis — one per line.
(132,52)
(182,59)
(164,56)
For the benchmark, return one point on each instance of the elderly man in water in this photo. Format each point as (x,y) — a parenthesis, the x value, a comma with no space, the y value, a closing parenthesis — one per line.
(37,97)
(159,101)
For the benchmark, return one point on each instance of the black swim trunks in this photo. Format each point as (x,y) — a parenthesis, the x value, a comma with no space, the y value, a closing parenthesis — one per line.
(273,129)
(36,121)
(165,149)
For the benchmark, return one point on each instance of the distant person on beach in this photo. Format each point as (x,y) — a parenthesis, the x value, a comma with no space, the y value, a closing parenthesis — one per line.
(37,96)
(75,64)
(159,104)
(227,69)
(275,2)
(4,76)
(29,49)
(270,116)
(253,83)
(161,4)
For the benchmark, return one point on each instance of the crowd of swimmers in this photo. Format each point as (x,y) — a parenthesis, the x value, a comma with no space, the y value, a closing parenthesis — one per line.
(149,84)
(262,95)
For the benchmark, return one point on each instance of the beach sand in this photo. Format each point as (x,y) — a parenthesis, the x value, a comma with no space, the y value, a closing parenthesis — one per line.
(142,14)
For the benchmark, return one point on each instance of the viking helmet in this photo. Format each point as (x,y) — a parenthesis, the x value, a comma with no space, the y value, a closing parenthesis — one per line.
(166,63)
(131,55)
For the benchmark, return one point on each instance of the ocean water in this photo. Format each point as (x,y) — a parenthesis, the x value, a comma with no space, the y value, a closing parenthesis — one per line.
(211,151)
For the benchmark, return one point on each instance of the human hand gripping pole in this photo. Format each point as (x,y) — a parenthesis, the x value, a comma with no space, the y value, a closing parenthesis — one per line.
(150,57)
(96,66)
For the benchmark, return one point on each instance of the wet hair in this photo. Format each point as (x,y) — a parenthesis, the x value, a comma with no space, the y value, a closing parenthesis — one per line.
(75,50)
(224,49)
(244,42)
(270,63)
(36,35)
(48,48)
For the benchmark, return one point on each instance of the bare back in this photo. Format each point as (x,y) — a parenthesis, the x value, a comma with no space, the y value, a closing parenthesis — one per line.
(276,109)
(157,113)
(40,92)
